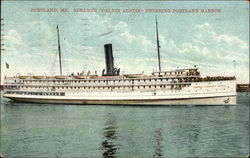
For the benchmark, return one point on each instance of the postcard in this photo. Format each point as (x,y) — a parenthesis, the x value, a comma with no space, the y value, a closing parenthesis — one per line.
(124,78)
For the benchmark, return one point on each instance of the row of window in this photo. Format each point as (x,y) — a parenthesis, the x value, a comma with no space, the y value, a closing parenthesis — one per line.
(96,81)
(170,73)
(37,93)
(90,87)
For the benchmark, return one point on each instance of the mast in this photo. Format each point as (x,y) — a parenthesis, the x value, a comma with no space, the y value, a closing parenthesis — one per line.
(158,46)
(59,50)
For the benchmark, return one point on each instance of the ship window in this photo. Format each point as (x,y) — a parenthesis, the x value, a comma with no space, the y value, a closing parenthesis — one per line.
(155,86)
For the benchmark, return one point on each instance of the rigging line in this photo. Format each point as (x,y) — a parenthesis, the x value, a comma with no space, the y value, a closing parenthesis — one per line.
(52,63)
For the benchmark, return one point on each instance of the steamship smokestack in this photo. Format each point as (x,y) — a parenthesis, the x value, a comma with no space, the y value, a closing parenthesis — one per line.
(109,60)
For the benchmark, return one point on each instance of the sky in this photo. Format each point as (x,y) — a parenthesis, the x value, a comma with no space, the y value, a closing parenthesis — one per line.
(211,41)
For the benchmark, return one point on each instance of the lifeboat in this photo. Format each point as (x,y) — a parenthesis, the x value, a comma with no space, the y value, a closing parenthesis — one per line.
(61,77)
(93,76)
(23,77)
(38,77)
(80,76)
(108,77)
(133,75)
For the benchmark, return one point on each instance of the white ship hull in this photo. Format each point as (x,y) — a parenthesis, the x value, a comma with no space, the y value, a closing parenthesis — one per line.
(201,93)
(192,101)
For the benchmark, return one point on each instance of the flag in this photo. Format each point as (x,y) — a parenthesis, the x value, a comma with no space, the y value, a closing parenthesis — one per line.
(7,65)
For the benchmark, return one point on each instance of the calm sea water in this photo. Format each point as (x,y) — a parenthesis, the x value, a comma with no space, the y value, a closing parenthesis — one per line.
(45,130)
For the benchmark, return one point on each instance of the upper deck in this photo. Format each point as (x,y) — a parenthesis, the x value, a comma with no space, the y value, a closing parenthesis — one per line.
(178,75)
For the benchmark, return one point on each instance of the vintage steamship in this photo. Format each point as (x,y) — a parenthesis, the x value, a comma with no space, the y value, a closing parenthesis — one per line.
(180,86)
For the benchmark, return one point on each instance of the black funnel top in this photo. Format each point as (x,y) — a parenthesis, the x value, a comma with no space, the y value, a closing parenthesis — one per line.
(109,60)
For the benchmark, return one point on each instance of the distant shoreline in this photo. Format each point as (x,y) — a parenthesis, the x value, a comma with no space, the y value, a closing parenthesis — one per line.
(243,88)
